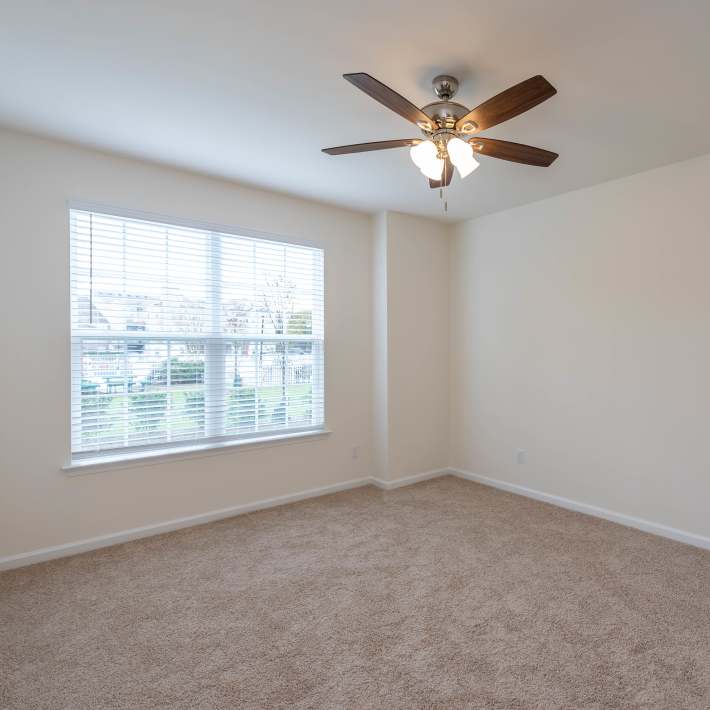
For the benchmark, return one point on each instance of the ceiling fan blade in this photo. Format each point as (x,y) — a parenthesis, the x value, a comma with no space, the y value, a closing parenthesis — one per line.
(446,176)
(515,152)
(389,98)
(508,104)
(377,145)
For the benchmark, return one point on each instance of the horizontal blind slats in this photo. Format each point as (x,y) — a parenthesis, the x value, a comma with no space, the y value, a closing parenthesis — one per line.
(188,335)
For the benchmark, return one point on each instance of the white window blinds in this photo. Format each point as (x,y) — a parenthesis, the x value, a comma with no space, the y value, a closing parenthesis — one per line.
(184,335)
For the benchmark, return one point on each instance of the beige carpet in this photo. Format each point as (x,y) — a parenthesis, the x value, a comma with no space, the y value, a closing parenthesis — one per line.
(445,594)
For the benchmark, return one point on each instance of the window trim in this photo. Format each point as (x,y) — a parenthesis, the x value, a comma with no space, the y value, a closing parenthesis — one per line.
(189,223)
(87,462)
(154,457)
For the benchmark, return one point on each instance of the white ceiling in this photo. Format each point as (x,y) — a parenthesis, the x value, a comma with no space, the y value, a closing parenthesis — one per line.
(252,91)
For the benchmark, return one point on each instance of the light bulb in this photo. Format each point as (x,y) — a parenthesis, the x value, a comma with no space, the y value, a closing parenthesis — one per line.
(433,168)
(461,154)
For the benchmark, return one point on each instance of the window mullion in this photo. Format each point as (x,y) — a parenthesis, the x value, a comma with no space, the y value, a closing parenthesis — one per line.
(125,401)
(215,386)
(168,390)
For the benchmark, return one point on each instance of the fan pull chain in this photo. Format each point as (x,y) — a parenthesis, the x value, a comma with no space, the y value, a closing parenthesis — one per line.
(443,199)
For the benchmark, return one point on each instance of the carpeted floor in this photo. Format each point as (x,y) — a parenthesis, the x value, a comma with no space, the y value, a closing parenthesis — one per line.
(446,594)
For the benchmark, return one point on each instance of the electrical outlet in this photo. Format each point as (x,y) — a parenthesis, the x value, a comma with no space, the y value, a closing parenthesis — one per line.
(356,451)
(520,457)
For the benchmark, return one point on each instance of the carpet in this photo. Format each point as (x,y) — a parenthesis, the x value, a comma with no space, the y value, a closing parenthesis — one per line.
(445,594)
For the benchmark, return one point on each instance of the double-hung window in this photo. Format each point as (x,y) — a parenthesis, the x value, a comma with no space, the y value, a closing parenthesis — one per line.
(186,337)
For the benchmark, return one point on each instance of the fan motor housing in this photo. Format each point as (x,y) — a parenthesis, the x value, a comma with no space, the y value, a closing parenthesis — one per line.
(445,113)
(445,86)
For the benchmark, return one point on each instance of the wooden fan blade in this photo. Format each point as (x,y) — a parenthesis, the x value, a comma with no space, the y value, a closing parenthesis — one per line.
(377,145)
(508,104)
(515,152)
(446,176)
(389,98)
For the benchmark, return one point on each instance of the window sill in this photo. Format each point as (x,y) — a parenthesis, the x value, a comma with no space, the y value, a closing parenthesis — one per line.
(148,458)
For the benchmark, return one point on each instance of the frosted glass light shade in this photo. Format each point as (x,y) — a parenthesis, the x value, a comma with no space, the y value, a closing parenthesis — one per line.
(461,154)
(434,169)
(426,157)
(422,153)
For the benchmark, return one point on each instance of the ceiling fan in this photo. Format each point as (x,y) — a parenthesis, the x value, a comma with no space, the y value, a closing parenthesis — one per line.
(451,131)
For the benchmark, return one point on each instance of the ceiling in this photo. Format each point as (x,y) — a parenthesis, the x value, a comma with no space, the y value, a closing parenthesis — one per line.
(251,91)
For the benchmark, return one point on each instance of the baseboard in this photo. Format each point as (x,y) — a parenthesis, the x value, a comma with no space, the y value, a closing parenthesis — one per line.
(94,543)
(74,548)
(408,480)
(628,520)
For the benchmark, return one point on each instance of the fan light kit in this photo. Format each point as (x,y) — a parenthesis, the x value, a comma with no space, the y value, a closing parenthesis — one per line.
(451,130)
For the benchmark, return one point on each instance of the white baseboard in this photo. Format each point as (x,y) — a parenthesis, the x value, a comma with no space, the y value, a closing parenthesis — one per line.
(74,548)
(628,520)
(408,480)
(94,543)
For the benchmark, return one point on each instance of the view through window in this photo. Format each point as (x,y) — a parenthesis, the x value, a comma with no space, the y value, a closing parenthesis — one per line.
(186,335)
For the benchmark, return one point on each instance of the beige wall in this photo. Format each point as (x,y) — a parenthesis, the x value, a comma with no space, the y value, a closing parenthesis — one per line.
(418,344)
(374,271)
(380,343)
(574,330)
(581,336)
(39,504)
(410,345)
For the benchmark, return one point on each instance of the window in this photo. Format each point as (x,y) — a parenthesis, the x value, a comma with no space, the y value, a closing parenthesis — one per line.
(187,336)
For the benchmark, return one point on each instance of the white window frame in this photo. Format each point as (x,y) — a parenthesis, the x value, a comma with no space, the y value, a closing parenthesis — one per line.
(78,462)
